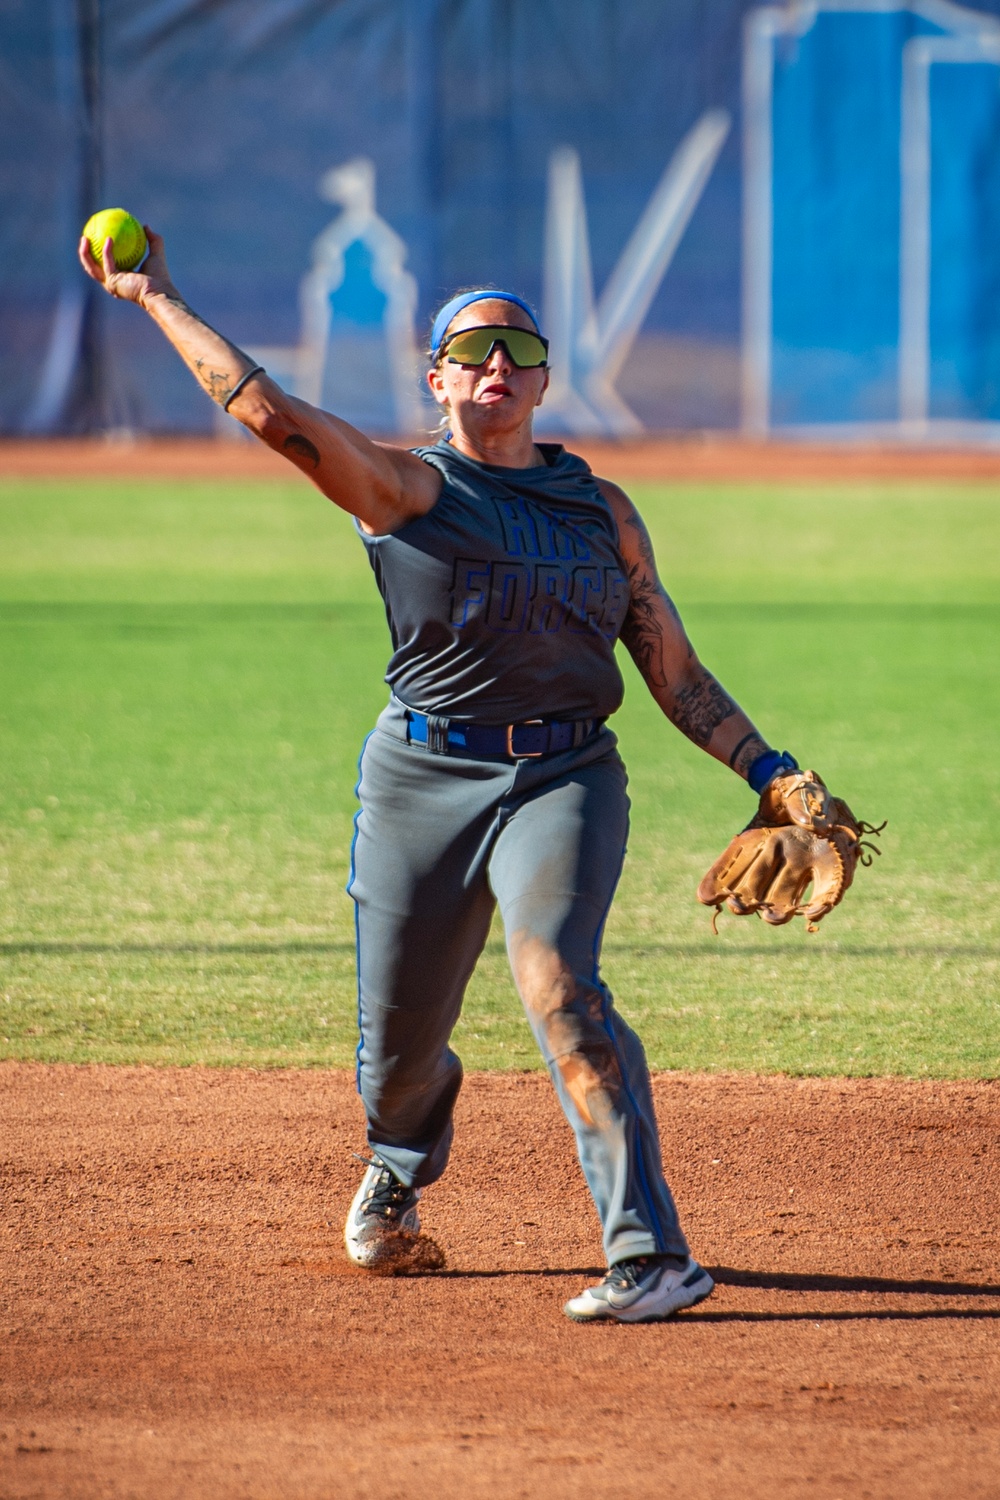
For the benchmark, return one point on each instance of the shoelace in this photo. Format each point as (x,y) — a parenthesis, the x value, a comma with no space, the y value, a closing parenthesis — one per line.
(388,1196)
(626,1274)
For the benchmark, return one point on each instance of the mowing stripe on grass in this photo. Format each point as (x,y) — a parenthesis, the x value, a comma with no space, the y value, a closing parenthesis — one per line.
(186,675)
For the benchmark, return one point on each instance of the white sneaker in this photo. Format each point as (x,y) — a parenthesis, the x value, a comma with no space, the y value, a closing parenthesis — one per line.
(641,1291)
(383,1224)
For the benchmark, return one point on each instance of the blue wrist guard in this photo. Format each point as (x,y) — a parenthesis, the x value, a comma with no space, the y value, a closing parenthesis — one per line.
(769,765)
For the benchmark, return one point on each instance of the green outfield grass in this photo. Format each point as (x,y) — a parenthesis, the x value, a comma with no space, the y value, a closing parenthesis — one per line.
(187,672)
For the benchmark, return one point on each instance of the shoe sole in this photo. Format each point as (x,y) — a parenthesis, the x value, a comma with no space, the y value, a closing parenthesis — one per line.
(629,1315)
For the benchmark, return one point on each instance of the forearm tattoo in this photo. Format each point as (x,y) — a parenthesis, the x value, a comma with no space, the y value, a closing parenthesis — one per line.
(698,710)
(218,383)
(749,748)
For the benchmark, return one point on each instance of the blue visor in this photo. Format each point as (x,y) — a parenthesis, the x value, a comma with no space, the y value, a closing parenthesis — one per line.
(454,307)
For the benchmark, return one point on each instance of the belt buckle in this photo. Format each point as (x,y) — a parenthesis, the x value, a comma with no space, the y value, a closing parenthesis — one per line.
(528,754)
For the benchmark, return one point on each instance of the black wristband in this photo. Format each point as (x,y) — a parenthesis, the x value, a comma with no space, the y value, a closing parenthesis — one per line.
(257,370)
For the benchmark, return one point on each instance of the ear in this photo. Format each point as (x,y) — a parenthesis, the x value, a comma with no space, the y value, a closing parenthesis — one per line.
(436,384)
(545,386)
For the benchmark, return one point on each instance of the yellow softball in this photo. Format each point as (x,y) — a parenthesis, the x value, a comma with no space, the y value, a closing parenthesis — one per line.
(126,233)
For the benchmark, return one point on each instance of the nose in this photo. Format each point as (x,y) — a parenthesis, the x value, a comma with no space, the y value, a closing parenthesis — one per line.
(499,361)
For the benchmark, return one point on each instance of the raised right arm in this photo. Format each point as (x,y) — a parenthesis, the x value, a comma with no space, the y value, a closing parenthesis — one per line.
(381,485)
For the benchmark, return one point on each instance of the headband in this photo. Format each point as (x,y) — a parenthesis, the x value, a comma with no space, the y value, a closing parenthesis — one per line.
(454,307)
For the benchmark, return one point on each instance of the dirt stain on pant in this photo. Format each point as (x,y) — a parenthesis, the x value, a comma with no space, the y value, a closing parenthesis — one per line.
(569,1015)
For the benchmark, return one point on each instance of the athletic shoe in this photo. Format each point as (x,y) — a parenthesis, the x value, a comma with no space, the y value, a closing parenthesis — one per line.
(642,1291)
(383,1225)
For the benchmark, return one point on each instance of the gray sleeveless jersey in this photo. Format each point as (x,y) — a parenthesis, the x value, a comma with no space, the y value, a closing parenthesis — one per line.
(504,601)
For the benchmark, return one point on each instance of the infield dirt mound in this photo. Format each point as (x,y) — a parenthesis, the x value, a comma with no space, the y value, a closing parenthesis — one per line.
(180,1321)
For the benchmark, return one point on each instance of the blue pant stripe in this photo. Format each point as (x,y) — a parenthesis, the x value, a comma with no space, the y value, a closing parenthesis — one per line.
(357,921)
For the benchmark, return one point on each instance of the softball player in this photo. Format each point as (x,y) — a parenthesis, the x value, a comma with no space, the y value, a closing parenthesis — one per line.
(508,573)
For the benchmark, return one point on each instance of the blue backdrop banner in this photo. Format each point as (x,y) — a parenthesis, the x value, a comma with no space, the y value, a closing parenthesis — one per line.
(327,172)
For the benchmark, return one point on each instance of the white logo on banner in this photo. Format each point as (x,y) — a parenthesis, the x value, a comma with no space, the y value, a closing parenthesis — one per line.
(591,341)
(357,356)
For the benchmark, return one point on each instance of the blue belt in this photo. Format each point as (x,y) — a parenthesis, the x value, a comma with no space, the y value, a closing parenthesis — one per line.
(510,741)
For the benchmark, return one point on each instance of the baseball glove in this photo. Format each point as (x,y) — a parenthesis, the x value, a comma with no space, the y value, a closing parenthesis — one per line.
(801,836)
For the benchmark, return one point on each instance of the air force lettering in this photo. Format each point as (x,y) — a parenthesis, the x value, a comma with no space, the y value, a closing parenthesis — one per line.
(504,602)
(549,580)
(514,596)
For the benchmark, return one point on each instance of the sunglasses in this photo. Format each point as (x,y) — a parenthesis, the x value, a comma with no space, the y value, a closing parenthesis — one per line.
(473,346)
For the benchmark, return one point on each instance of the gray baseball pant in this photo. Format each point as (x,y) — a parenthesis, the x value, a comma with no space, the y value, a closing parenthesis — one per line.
(440,839)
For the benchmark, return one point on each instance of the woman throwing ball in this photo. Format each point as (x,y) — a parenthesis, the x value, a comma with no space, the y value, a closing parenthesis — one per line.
(508,573)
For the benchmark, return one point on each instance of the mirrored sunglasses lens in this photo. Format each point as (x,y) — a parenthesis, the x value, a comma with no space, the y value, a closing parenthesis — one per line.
(473,347)
(525,349)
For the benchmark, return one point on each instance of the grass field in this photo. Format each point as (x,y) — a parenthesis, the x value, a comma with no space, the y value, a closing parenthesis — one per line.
(187,672)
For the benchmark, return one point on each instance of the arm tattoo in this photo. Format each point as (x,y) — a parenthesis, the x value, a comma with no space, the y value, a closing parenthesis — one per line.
(217,383)
(642,631)
(700,709)
(299,448)
(697,704)
(176,300)
(746,752)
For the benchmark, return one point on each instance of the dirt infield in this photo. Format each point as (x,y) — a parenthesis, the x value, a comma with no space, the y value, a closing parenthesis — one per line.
(179,1319)
(716,457)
